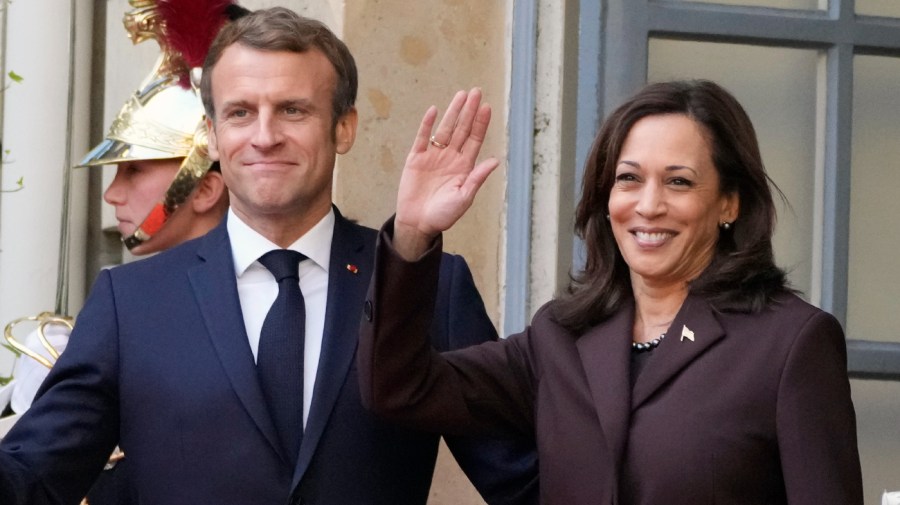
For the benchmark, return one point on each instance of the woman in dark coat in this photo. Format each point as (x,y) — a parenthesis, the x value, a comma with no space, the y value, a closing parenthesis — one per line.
(678,367)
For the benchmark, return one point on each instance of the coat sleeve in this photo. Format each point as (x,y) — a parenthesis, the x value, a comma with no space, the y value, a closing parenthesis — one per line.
(816,423)
(57,449)
(479,390)
(503,470)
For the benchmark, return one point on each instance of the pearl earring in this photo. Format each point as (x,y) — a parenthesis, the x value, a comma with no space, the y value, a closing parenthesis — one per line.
(725,225)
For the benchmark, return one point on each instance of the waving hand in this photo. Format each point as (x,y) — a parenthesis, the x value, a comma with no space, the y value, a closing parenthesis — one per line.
(441,176)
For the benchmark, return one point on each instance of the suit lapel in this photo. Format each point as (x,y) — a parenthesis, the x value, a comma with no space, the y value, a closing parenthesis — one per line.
(215,288)
(348,279)
(605,356)
(695,320)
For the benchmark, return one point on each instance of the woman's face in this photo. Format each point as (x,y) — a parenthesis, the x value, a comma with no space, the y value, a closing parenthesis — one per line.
(665,205)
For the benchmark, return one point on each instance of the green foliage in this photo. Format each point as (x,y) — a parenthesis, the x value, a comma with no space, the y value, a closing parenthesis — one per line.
(20,185)
(16,78)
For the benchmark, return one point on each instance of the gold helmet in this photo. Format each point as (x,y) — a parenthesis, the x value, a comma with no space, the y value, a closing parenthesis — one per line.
(164,119)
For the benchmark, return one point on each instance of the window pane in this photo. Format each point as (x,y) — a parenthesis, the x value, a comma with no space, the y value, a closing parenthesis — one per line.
(777,88)
(873,288)
(877,406)
(778,4)
(886,8)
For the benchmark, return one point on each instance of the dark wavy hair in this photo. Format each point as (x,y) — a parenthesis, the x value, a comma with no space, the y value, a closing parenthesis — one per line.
(280,29)
(742,275)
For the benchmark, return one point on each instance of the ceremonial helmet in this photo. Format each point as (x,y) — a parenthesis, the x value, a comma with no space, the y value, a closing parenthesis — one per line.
(164,118)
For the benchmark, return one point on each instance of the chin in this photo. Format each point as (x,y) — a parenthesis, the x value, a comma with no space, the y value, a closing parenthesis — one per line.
(126,230)
(650,272)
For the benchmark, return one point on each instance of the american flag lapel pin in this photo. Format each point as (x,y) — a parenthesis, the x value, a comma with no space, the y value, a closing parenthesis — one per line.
(352,268)
(686,333)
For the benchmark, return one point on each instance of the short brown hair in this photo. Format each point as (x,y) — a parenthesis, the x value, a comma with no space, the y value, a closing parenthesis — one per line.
(280,29)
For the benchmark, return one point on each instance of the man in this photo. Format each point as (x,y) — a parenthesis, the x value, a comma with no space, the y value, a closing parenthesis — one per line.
(171,356)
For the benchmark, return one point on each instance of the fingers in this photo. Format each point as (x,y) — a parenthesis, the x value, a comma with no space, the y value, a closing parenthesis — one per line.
(464,121)
(463,126)
(445,129)
(474,140)
(421,141)
(478,175)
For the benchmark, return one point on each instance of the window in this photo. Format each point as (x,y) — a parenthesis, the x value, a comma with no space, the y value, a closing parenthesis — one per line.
(818,79)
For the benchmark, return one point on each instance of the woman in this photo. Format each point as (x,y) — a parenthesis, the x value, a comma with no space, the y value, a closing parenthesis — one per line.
(677,368)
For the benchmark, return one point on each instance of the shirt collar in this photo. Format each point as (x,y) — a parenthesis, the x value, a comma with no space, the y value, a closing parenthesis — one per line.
(247,245)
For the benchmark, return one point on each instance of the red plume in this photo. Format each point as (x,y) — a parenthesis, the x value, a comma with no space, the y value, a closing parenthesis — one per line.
(191,26)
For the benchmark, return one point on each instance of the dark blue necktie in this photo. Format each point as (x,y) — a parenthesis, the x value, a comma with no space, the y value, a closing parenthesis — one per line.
(279,360)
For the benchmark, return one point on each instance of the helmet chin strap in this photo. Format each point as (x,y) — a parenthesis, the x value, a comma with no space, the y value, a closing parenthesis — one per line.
(149,227)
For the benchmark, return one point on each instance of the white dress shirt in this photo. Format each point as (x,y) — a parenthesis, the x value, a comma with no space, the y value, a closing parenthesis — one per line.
(257,288)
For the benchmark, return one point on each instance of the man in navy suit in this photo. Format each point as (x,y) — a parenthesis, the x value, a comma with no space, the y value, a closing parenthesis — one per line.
(163,357)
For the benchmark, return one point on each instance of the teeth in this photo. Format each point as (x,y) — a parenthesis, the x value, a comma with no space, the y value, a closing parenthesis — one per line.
(651,237)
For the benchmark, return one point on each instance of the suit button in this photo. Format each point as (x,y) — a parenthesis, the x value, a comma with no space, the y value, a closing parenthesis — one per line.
(367,310)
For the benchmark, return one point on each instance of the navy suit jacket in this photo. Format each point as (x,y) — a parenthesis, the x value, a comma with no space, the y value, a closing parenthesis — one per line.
(160,363)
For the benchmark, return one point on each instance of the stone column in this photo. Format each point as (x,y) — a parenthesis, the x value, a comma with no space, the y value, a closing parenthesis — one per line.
(34,145)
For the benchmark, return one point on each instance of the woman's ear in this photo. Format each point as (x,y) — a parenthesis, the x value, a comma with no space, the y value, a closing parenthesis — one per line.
(731,206)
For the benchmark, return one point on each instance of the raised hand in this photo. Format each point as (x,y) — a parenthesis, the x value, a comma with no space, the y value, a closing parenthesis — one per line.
(441,177)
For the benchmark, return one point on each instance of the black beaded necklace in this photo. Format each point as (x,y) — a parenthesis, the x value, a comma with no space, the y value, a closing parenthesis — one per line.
(647,346)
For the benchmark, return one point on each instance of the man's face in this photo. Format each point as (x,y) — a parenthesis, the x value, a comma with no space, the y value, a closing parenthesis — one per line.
(273,132)
(137,188)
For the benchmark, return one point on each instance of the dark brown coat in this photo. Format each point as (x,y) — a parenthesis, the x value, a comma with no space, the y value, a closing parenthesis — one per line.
(754,410)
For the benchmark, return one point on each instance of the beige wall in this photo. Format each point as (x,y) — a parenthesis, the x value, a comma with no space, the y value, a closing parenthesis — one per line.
(412,55)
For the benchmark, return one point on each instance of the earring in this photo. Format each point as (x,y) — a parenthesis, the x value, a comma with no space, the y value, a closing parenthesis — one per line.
(725,225)
(607,217)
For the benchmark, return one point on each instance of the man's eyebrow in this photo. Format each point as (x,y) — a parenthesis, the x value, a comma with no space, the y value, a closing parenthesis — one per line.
(300,103)
(234,104)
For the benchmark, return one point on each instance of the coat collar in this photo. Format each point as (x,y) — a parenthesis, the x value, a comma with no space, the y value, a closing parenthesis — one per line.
(694,330)
(605,352)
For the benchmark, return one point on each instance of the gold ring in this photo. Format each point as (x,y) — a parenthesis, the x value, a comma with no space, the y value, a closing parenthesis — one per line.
(437,144)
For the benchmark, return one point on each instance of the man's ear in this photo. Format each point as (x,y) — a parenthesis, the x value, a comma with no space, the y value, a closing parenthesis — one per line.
(345,131)
(208,193)
(213,144)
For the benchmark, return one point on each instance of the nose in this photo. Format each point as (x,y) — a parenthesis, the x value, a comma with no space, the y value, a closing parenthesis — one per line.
(268,132)
(115,194)
(651,200)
